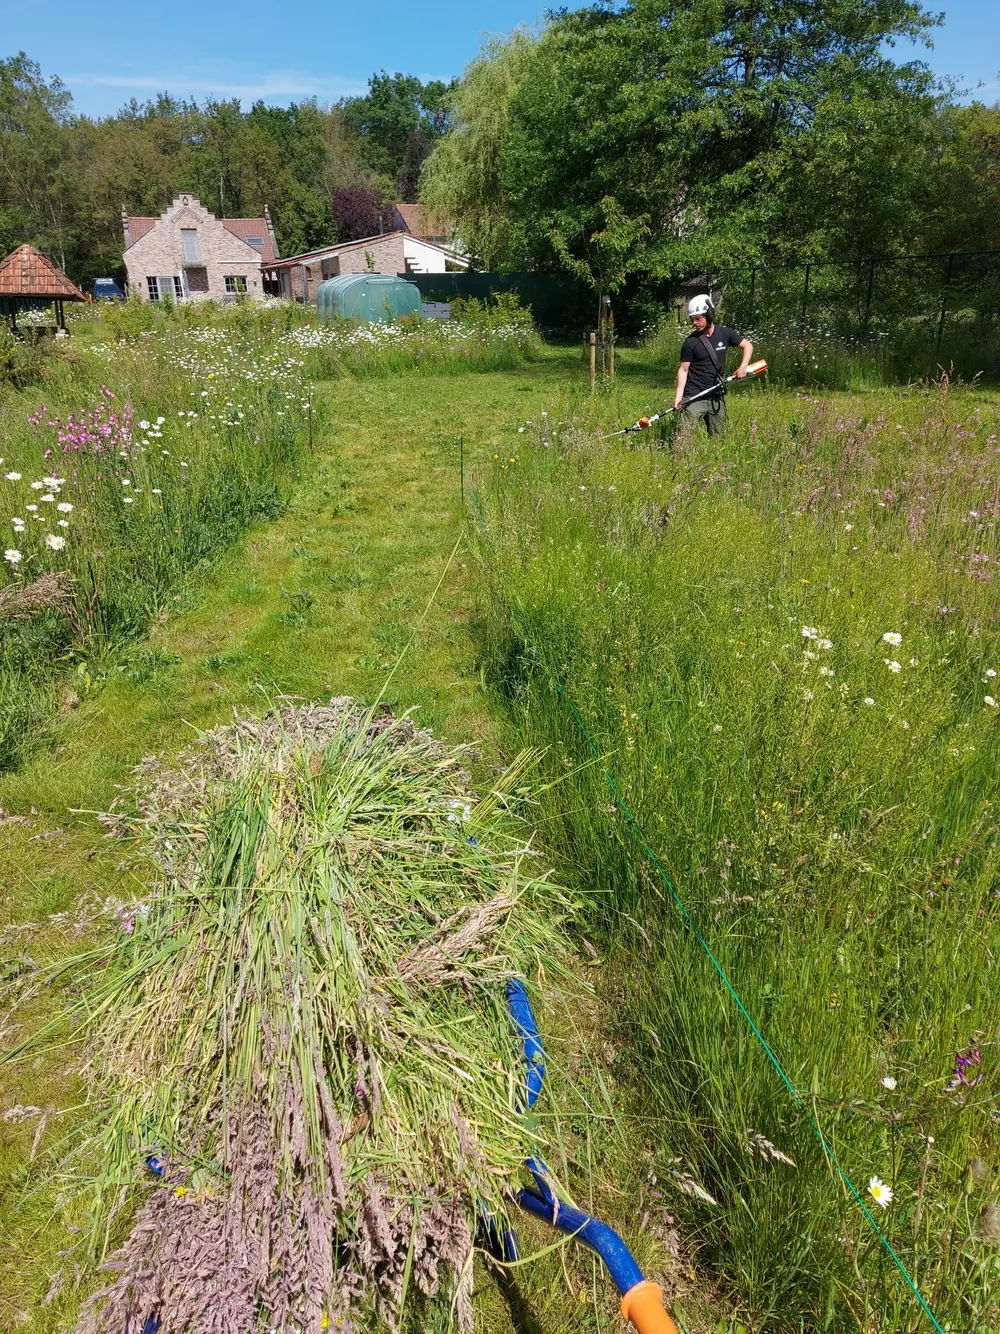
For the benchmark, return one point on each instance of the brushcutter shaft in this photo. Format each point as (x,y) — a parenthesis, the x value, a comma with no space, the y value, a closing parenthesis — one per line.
(754,369)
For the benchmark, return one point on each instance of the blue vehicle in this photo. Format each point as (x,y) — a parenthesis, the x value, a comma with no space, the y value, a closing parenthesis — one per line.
(106,289)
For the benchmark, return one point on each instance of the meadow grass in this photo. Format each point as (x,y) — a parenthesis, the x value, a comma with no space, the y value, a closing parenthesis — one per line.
(640,596)
(823,355)
(784,645)
(484,336)
(317,602)
(120,490)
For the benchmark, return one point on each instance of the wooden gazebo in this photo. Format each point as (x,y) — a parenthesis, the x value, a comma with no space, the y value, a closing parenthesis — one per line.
(27,277)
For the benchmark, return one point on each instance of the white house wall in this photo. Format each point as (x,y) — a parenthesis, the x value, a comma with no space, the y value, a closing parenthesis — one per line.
(423,258)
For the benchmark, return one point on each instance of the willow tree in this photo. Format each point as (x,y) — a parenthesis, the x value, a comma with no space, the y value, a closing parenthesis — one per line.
(462,182)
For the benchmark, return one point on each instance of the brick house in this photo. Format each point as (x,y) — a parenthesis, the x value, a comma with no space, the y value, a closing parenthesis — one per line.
(396,252)
(189,252)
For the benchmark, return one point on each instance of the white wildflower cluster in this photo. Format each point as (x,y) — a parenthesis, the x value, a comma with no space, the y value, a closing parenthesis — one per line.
(44,491)
(343,336)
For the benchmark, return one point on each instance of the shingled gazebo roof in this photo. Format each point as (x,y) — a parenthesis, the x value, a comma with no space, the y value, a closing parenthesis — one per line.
(28,273)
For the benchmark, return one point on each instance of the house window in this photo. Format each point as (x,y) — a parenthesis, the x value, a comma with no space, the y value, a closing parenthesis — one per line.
(236,284)
(169,286)
(255,240)
(189,244)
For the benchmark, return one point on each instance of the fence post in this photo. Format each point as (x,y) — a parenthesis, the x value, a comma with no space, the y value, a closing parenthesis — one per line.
(944,303)
(753,289)
(593,360)
(805,294)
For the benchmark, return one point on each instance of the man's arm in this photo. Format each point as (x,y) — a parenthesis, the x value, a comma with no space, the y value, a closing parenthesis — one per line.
(682,379)
(747,347)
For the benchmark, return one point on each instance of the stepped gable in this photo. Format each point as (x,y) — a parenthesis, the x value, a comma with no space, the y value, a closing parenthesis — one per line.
(27,272)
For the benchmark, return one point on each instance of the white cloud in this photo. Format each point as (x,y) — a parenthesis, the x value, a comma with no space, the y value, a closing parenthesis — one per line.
(270,84)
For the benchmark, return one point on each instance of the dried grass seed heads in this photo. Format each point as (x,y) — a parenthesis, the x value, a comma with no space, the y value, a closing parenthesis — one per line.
(304,1024)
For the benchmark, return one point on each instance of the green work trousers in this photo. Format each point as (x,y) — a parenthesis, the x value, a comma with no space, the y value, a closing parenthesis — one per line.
(712,411)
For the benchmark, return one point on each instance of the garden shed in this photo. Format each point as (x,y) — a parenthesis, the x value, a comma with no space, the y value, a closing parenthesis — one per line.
(369,297)
(28,279)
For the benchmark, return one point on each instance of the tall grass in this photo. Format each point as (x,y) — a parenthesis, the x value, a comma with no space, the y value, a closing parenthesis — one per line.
(821,356)
(145,458)
(483,336)
(785,647)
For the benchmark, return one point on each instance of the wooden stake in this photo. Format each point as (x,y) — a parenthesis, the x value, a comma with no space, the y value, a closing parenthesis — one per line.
(593,360)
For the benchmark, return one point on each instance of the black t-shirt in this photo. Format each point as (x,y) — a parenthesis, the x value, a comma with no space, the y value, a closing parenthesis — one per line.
(702,374)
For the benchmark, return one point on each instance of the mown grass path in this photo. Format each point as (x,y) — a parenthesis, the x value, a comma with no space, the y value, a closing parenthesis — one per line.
(318,603)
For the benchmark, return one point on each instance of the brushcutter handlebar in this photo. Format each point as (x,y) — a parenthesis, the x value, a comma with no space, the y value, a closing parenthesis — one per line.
(641,1300)
(753,370)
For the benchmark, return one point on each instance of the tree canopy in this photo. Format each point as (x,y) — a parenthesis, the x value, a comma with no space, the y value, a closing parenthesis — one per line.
(708,132)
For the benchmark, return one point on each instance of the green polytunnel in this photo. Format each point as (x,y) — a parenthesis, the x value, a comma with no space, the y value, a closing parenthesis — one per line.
(367,297)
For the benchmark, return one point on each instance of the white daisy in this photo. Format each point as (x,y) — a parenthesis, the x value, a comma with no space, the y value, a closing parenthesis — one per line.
(891,637)
(881,1193)
(55,541)
(12,555)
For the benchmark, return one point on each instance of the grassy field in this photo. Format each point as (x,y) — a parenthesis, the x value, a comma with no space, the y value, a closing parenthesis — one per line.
(837,854)
(319,601)
(785,648)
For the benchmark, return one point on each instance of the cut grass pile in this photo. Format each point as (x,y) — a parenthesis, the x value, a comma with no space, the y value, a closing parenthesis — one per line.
(301,1075)
(785,645)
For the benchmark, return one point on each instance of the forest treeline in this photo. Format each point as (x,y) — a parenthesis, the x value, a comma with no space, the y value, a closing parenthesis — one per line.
(657,136)
(325,172)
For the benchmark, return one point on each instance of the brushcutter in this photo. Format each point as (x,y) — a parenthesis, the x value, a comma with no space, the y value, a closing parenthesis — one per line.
(641,1300)
(753,370)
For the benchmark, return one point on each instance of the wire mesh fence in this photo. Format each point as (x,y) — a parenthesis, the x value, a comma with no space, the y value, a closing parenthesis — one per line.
(933,295)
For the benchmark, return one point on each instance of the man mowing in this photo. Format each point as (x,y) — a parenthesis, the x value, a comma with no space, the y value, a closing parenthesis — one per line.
(703,364)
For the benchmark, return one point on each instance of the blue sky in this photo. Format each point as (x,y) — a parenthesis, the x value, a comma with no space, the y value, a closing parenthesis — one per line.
(108,52)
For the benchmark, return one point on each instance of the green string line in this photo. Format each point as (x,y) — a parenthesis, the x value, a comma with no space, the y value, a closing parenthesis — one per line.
(637,829)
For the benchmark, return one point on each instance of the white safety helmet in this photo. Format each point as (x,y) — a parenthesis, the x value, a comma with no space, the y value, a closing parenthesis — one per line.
(701,305)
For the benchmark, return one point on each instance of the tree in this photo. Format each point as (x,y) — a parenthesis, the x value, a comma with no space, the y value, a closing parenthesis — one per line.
(963,211)
(397,123)
(361,211)
(759,129)
(461,181)
(35,185)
